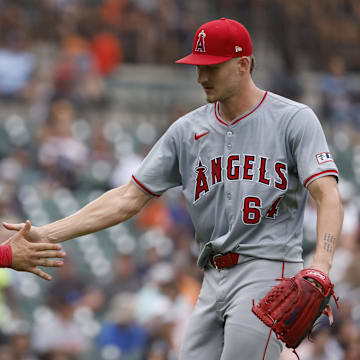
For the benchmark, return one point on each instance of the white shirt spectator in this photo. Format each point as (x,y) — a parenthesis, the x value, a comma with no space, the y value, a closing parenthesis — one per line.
(16,68)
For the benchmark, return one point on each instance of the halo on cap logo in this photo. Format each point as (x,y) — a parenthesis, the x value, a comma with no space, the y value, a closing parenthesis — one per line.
(200,45)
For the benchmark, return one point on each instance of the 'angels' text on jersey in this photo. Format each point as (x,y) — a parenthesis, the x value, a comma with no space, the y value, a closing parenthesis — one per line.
(236,167)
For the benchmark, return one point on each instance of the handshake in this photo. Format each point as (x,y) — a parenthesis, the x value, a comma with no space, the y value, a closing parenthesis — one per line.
(24,253)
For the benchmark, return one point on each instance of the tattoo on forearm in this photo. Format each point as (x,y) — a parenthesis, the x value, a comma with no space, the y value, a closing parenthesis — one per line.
(329,242)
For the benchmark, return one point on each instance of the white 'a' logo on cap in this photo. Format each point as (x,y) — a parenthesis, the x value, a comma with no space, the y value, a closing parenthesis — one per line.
(200,45)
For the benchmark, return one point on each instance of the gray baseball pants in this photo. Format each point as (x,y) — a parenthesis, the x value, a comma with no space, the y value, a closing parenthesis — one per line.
(222,326)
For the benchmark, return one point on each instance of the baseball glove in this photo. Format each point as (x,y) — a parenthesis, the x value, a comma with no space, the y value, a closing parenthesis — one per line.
(291,307)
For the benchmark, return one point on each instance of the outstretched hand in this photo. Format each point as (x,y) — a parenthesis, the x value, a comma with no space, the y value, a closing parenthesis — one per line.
(32,234)
(27,256)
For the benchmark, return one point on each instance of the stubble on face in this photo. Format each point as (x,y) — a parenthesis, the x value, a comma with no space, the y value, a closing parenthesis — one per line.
(218,81)
(211,99)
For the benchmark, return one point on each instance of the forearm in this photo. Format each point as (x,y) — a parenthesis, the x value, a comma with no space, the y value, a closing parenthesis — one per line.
(328,231)
(113,207)
(329,223)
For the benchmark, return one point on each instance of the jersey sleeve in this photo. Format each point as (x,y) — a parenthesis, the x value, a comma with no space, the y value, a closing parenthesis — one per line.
(309,147)
(159,171)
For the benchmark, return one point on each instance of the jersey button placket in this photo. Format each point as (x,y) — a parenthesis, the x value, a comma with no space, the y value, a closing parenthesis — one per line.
(228,139)
(228,148)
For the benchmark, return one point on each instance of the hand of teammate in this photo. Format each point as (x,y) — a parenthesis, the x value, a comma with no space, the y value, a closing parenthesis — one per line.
(27,256)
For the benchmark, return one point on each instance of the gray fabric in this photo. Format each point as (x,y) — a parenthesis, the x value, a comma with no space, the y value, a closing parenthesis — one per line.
(282,137)
(222,326)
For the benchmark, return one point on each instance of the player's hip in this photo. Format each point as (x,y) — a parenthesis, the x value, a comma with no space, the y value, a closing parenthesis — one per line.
(250,278)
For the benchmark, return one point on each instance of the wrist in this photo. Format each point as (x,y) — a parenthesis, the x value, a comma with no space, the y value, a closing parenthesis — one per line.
(42,233)
(5,256)
(324,267)
(49,234)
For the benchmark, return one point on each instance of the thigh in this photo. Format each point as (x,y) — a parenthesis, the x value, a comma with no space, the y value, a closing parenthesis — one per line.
(204,337)
(245,336)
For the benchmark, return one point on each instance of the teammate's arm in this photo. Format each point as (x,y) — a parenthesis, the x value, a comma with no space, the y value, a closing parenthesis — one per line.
(111,208)
(330,215)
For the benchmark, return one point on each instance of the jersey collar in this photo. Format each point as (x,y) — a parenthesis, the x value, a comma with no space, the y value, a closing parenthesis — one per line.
(236,120)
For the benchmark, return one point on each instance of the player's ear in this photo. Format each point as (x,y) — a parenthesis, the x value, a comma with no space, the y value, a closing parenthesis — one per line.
(243,64)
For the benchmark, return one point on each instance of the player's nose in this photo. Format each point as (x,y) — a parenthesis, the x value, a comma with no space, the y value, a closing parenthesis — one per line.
(202,76)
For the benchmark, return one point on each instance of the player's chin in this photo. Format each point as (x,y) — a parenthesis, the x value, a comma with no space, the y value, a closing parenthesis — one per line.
(211,98)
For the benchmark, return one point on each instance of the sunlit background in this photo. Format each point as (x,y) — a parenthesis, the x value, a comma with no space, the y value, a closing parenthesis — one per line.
(86,88)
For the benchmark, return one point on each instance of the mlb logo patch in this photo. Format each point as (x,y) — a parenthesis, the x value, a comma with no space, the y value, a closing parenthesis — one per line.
(324,157)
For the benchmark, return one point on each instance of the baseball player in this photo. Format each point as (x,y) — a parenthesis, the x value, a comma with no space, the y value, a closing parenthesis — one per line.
(245,162)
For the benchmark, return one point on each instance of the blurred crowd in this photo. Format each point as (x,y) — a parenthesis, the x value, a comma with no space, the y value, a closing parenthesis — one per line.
(128,293)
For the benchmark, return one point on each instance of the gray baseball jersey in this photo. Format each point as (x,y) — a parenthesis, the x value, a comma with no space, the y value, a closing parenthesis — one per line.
(244,182)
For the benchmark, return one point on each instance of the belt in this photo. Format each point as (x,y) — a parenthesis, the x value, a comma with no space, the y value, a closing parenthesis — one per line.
(222,261)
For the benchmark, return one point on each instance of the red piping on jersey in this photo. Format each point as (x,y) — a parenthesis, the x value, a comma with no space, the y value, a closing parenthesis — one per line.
(236,121)
(320,173)
(267,344)
(143,187)
(268,339)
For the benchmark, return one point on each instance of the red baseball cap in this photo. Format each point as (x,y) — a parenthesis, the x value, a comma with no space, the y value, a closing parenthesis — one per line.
(218,41)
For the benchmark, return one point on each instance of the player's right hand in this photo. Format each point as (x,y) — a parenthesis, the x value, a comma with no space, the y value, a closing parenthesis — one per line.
(27,256)
(32,235)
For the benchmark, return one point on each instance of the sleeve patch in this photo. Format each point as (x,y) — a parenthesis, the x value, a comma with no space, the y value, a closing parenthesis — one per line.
(324,157)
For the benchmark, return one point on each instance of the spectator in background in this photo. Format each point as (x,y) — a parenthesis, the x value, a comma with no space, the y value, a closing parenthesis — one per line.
(90,94)
(125,278)
(286,82)
(6,352)
(320,337)
(336,91)
(179,215)
(73,288)
(20,340)
(156,248)
(76,63)
(121,330)
(344,334)
(125,167)
(59,335)
(67,285)
(188,276)
(155,215)
(107,52)
(17,66)
(162,308)
(61,155)
(160,347)
(353,350)
(350,283)
(101,149)
(351,224)
(111,11)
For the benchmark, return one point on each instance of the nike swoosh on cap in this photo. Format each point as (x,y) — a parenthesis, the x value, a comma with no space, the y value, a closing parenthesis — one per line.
(197,137)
